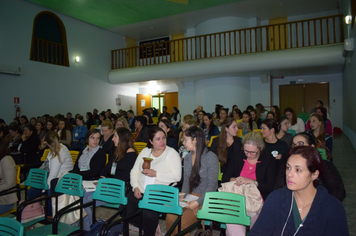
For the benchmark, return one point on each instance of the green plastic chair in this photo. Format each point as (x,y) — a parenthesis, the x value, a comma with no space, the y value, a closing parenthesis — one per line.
(292,131)
(322,152)
(304,116)
(159,198)
(222,207)
(10,227)
(70,184)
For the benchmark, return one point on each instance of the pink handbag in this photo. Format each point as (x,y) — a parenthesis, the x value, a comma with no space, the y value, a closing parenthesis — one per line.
(32,210)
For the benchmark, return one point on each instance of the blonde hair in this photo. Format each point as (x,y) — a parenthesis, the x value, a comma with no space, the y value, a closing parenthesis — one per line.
(52,140)
(107,123)
(124,121)
(254,138)
(188,118)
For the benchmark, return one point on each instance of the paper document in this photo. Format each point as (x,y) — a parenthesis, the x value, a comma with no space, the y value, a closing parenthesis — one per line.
(89,185)
(188,198)
(149,180)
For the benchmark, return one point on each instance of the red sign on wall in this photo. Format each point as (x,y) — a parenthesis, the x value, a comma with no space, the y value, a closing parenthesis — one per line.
(16,100)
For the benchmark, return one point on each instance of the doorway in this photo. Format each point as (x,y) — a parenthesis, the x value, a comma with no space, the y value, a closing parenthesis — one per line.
(302,97)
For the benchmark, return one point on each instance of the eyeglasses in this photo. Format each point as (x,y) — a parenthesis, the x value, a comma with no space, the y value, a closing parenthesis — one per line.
(299,143)
(253,153)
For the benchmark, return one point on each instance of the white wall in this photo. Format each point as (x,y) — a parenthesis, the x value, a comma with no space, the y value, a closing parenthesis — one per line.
(260,92)
(335,92)
(45,88)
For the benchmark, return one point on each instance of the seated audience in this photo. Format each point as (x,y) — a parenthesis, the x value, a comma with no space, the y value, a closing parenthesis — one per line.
(201,169)
(70,119)
(167,127)
(222,117)
(165,168)
(33,121)
(131,119)
(30,144)
(256,118)
(255,167)
(282,134)
(261,111)
(175,117)
(40,130)
(24,121)
(5,134)
(271,115)
(227,146)
(237,114)
(16,138)
(121,163)
(200,120)
(7,178)
(295,122)
(92,159)
(276,111)
(303,206)
(122,122)
(164,114)
(247,124)
(79,134)
(90,120)
(210,129)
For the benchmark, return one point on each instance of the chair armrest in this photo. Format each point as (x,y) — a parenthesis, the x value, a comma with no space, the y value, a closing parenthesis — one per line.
(14,189)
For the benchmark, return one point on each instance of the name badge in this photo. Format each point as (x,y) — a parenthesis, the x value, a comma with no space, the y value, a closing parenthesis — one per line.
(76,135)
(113,168)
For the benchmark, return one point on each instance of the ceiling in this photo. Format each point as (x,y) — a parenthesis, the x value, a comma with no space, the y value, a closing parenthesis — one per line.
(147,19)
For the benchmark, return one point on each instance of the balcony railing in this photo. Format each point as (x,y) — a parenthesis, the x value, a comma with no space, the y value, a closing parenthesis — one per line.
(297,34)
(49,52)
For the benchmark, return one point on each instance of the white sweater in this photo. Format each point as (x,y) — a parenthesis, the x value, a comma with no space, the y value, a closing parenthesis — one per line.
(56,168)
(299,126)
(168,167)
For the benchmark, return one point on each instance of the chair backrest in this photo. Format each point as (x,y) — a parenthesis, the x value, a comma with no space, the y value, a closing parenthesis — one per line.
(292,131)
(107,158)
(220,175)
(224,207)
(304,116)
(211,140)
(322,152)
(74,155)
(139,146)
(10,227)
(18,171)
(70,184)
(155,120)
(161,198)
(45,154)
(93,126)
(110,190)
(239,133)
(37,178)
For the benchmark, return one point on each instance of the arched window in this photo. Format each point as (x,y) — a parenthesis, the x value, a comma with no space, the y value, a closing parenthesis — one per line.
(49,40)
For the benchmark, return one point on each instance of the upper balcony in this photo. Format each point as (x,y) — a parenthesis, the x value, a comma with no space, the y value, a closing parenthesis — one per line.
(224,48)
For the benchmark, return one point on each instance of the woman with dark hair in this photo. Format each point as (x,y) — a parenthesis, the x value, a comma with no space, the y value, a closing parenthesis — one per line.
(200,120)
(167,127)
(17,121)
(64,132)
(90,120)
(210,129)
(15,133)
(33,121)
(92,159)
(24,121)
(227,147)
(222,116)
(247,124)
(121,163)
(175,117)
(101,119)
(281,134)
(271,115)
(255,167)
(276,111)
(165,168)
(317,130)
(79,134)
(276,147)
(201,169)
(141,129)
(237,114)
(232,110)
(40,130)
(327,123)
(256,118)
(303,206)
(261,111)
(5,134)
(30,143)
(295,122)
(51,125)
(331,178)
(7,178)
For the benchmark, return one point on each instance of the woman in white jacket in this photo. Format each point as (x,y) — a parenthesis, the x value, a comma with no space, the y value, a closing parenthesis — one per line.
(57,163)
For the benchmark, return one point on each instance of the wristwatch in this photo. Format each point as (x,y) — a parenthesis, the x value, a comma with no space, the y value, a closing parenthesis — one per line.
(256,183)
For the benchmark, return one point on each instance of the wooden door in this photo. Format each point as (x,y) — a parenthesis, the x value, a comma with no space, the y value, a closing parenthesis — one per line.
(170,101)
(315,92)
(291,95)
(139,102)
(277,39)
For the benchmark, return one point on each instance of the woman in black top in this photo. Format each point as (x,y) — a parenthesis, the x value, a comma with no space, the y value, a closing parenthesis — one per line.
(105,143)
(167,127)
(92,159)
(121,163)
(30,143)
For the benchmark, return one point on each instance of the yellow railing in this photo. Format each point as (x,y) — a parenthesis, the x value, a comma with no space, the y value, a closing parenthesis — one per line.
(296,34)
